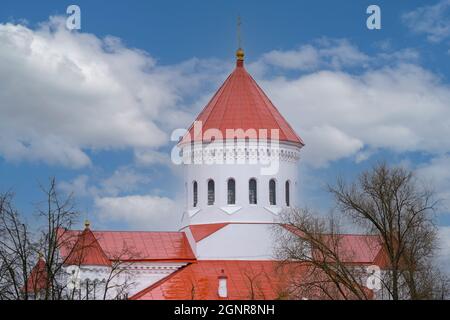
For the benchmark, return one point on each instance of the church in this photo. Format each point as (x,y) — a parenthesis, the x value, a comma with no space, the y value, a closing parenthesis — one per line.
(240,174)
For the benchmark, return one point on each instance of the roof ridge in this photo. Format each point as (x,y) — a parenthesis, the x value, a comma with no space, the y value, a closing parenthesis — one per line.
(272,106)
(217,95)
(83,257)
(240,103)
(203,276)
(250,90)
(139,294)
(232,85)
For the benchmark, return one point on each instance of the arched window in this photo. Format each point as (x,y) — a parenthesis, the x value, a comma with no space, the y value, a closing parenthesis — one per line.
(252,193)
(272,192)
(211,193)
(231,191)
(194,194)
(287,194)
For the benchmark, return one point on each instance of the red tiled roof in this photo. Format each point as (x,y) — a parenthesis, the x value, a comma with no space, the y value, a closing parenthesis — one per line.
(201,231)
(87,251)
(247,280)
(241,104)
(141,246)
(361,249)
(37,280)
(355,248)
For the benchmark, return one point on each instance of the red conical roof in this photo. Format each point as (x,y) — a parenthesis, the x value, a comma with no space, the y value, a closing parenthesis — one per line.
(38,278)
(87,251)
(241,104)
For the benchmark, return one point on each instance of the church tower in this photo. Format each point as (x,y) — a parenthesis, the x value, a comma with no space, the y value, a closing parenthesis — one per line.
(240,168)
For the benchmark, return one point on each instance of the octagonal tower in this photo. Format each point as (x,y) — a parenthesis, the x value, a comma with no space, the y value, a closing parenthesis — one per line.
(241,168)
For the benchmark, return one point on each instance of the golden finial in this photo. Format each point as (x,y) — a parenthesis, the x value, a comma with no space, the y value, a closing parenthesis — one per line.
(239,52)
(87,224)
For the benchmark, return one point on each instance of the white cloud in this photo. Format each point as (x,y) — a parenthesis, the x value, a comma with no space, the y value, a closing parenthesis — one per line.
(436,173)
(115,200)
(444,248)
(305,58)
(432,20)
(329,54)
(79,187)
(123,180)
(400,108)
(151,157)
(144,212)
(329,143)
(64,93)
(333,53)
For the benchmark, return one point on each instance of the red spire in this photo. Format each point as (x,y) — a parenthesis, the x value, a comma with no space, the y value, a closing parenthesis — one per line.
(241,104)
(37,280)
(87,251)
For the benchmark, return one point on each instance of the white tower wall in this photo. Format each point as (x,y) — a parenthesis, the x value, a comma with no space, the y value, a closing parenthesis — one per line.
(242,210)
(249,233)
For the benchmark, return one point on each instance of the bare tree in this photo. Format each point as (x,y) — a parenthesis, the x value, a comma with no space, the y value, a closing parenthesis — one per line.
(393,204)
(16,252)
(120,279)
(34,260)
(311,251)
(58,215)
(29,255)
(111,281)
(254,281)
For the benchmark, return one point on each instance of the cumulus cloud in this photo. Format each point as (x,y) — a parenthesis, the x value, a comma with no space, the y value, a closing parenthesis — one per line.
(144,212)
(63,93)
(66,93)
(329,143)
(123,180)
(432,21)
(334,53)
(331,54)
(79,187)
(400,108)
(115,199)
(151,157)
(304,58)
(444,248)
(437,173)
(346,103)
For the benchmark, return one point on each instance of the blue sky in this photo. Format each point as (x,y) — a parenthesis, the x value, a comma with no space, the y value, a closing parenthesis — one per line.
(355,95)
